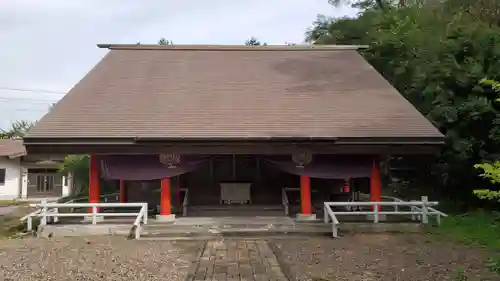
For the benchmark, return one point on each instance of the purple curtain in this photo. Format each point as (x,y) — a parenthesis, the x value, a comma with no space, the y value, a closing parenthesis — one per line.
(144,167)
(334,169)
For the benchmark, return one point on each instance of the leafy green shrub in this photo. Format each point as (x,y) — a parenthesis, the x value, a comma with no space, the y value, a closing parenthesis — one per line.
(491,171)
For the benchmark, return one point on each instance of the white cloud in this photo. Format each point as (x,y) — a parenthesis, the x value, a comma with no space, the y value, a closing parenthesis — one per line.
(50,44)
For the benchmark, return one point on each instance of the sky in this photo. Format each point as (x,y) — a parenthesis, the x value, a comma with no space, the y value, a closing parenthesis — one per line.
(47,46)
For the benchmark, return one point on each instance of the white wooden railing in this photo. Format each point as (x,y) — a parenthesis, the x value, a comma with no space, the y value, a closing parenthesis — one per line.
(110,197)
(366,197)
(46,211)
(421,209)
(284,201)
(185,201)
(284,198)
(438,213)
(105,198)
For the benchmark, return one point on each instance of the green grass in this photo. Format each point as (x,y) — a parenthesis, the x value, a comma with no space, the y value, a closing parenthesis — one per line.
(493,264)
(5,203)
(479,228)
(10,225)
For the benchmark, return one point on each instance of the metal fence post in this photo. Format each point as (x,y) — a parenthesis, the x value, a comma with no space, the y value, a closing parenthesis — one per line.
(325,214)
(375,212)
(425,209)
(43,220)
(145,214)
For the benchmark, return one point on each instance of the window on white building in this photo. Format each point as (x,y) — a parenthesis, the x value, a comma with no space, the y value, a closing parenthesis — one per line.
(2,176)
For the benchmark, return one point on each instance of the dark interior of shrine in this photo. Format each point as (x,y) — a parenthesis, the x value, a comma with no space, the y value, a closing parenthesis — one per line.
(266,180)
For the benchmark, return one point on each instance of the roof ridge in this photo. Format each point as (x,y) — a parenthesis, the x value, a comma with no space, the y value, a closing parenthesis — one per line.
(231,47)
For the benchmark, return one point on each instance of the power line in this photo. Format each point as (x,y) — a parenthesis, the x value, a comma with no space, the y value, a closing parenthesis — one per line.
(26,100)
(32,106)
(19,101)
(29,109)
(32,90)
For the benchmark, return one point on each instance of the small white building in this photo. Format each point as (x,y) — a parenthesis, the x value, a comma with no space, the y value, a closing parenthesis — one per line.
(24,177)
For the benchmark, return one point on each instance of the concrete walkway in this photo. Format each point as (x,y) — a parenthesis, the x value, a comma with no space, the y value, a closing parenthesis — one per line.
(209,228)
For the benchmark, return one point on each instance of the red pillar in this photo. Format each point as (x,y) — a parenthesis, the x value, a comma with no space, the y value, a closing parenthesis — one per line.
(122,191)
(375,182)
(305,195)
(94,183)
(165,200)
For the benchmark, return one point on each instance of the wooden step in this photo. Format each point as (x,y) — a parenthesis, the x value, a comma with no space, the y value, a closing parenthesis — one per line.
(235,210)
(237,206)
(308,230)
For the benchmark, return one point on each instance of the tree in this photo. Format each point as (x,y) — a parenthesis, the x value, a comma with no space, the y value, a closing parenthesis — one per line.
(387,4)
(359,3)
(491,171)
(491,83)
(435,55)
(344,30)
(254,42)
(18,130)
(486,11)
(78,166)
(164,41)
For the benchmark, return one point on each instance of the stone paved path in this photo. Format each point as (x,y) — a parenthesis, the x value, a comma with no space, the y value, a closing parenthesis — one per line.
(236,259)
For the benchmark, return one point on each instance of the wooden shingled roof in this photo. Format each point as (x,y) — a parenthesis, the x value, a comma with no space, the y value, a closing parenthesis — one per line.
(233,92)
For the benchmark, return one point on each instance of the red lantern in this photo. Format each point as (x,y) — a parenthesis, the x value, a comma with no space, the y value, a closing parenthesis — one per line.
(347,188)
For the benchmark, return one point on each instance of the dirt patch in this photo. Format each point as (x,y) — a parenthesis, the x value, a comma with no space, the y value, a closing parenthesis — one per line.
(382,257)
(96,258)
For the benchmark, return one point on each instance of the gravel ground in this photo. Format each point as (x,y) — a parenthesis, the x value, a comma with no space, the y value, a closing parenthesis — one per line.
(382,257)
(96,258)
(365,257)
